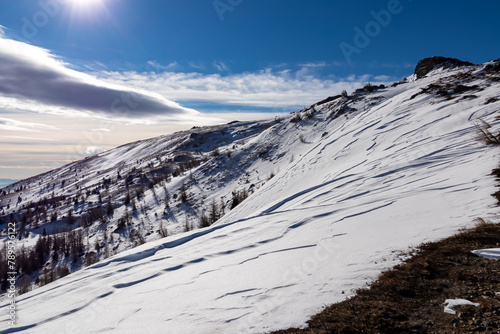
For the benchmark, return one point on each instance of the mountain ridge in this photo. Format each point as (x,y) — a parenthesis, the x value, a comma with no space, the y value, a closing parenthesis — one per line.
(311,179)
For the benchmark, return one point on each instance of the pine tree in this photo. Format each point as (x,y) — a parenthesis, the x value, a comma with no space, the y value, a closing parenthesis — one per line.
(222,208)
(204,222)
(109,207)
(214,212)
(97,245)
(70,219)
(167,198)
(183,193)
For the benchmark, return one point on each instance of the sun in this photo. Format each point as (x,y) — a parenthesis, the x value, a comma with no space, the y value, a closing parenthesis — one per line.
(86,8)
(85,3)
(88,11)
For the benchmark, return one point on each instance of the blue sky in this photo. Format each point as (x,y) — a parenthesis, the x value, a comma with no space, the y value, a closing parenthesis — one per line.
(193,62)
(256,34)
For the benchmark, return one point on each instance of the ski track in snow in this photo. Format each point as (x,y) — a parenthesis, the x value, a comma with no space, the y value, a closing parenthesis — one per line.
(398,174)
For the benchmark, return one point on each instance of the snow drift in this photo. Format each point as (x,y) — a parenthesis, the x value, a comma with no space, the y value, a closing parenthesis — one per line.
(356,179)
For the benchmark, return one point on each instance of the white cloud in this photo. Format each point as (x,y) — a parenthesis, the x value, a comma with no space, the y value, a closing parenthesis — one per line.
(31,76)
(21,167)
(220,66)
(156,66)
(7,124)
(265,88)
(199,65)
(382,78)
(30,138)
(92,150)
(34,79)
(314,64)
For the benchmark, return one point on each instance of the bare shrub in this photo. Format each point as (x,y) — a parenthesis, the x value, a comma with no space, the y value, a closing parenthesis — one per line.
(484,134)
(162,231)
(215,152)
(296,118)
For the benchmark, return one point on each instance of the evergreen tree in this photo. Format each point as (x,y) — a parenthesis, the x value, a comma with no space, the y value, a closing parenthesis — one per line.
(183,193)
(109,207)
(127,199)
(204,222)
(70,219)
(214,212)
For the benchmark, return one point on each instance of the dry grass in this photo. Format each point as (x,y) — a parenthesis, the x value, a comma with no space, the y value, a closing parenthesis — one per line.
(484,133)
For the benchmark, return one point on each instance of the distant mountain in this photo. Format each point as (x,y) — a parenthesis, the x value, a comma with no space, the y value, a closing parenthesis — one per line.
(6,182)
(254,226)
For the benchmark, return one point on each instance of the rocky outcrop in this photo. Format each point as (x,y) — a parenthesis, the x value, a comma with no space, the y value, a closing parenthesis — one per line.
(428,64)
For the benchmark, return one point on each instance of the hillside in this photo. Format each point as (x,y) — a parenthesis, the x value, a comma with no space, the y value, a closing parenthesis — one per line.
(334,192)
(442,287)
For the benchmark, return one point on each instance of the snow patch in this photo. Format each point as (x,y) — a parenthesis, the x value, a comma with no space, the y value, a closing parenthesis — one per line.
(492,253)
(449,304)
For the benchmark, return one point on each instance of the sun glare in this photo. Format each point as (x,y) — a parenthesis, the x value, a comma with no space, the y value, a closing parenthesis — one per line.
(86,3)
(86,9)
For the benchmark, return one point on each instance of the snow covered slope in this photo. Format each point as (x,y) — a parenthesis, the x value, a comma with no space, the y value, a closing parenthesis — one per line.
(356,179)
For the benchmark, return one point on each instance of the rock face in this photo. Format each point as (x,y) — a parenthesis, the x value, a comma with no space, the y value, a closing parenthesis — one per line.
(494,66)
(428,64)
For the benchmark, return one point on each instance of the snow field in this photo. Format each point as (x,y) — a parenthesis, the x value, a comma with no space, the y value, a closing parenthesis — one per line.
(388,176)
